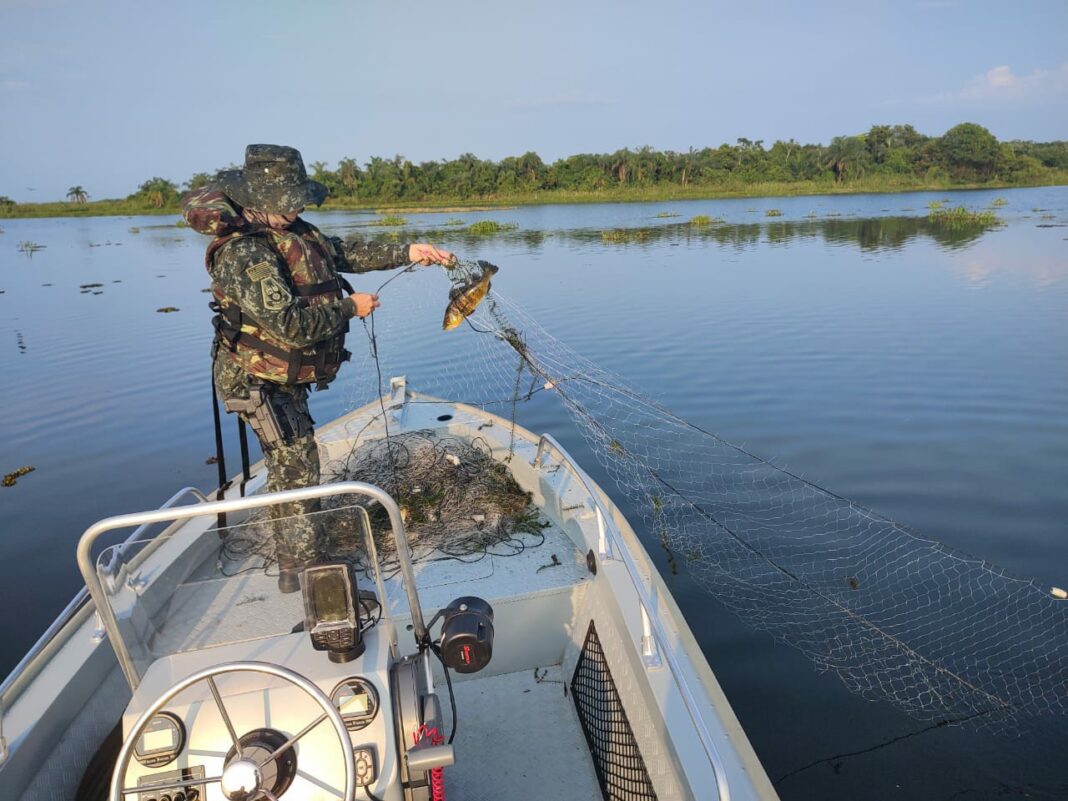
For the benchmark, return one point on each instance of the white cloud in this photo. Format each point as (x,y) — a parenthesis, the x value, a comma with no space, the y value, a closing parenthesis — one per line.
(1001,83)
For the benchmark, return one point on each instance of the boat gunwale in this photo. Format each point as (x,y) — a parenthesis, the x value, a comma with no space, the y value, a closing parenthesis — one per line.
(681,636)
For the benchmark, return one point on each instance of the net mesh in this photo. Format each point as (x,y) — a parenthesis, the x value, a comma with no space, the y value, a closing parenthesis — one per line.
(617,759)
(938,633)
(457,502)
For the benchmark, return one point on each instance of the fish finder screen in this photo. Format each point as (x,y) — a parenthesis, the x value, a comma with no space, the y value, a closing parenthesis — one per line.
(329,598)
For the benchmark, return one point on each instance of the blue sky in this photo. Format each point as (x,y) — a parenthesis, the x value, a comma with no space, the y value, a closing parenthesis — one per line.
(108,94)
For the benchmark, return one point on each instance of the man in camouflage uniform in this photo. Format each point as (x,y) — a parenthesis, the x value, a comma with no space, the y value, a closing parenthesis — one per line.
(283,313)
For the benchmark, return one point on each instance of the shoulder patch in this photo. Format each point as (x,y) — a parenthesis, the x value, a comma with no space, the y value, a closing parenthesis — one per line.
(257,272)
(276,295)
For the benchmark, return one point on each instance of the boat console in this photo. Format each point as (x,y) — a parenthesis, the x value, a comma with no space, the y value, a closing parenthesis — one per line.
(325,708)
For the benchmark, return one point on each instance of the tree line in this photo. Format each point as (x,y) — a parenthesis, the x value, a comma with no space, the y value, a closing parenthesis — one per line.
(890,155)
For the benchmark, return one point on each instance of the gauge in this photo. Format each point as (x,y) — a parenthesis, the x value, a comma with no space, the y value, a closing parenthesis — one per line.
(357,701)
(161,741)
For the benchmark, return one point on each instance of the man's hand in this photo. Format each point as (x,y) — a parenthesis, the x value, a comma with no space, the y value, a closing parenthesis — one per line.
(365,303)
(428,254)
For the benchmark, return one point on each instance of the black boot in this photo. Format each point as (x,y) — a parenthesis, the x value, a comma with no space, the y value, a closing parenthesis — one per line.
(288,581)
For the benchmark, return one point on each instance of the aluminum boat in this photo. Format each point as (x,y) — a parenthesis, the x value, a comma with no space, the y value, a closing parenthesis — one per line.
(171,678)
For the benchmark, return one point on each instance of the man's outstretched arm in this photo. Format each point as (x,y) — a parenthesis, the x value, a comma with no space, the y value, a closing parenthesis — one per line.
(356,256)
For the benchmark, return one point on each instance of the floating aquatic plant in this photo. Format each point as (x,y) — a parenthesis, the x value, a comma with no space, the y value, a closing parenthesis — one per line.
(11,478)
(485,227)
(625,235)
(960,217)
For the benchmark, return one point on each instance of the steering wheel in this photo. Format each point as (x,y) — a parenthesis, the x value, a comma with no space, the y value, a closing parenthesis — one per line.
(241,779)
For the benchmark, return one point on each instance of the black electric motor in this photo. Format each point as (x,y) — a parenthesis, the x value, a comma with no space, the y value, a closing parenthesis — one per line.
(467,634)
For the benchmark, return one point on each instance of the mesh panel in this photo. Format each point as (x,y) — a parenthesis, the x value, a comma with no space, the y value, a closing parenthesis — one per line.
(616,758)
(941,634)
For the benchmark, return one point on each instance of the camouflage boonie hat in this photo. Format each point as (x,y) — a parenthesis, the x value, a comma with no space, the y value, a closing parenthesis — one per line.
(274,181)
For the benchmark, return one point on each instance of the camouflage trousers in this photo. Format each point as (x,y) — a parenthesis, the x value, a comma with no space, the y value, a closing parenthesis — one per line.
(295,527)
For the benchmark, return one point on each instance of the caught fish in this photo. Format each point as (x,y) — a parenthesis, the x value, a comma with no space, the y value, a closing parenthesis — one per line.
(465,299)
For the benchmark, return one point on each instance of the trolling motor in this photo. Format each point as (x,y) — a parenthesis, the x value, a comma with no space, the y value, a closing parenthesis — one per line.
(466,642)
(466,646)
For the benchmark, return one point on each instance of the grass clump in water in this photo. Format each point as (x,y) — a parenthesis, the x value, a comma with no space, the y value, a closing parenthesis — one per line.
(961,217)
(998,202)
(454,221)
(668,214)
(391,219)
(489,227)
(772,213)
(622,236)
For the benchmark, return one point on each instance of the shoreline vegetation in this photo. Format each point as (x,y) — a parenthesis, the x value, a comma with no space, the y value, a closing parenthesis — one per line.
(887,159)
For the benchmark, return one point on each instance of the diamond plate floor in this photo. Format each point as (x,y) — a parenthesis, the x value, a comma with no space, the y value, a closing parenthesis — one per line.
(519,739)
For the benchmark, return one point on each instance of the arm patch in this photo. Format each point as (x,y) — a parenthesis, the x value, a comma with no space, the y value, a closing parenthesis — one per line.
(257,272)
(276,295)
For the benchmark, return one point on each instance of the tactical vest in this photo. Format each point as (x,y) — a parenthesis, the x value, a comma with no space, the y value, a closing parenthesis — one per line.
(313,280)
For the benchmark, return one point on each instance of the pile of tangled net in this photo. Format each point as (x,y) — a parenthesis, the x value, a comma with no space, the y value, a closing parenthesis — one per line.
(456,501)
(941,634)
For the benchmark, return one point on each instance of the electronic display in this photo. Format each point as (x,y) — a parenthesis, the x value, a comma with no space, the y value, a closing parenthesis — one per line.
(352,701)
(330,611)
(157,740)
(357,701)
(330,598)
(161,741)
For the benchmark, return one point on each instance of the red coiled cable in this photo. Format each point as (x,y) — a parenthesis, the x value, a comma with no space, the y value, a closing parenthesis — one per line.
(437,775)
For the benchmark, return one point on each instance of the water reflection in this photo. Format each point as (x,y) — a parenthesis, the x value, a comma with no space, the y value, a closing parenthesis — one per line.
(867,234)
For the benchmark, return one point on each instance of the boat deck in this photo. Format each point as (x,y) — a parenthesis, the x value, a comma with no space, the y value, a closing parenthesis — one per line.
(519,739)
(211,609)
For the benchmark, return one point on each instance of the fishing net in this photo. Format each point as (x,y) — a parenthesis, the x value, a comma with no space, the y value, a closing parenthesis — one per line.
(457,502)
(942,635)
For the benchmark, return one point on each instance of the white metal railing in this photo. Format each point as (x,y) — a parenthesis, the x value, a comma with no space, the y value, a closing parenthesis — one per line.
(654,640)
(27,667)
(142,519)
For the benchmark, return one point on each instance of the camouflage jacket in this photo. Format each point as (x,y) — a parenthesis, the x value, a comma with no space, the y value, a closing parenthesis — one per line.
(278,281)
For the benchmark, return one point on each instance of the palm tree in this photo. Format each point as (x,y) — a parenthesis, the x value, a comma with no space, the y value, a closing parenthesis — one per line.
(158,192)
(845,153)
(76,194)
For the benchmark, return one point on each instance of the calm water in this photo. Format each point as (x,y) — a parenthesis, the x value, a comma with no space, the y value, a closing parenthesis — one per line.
(921,373)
